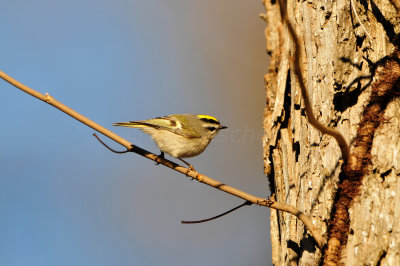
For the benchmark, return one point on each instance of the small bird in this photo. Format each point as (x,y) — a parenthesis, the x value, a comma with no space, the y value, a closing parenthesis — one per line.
(180,135)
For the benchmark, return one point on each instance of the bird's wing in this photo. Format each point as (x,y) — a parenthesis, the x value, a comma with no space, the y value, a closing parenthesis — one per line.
(168,123)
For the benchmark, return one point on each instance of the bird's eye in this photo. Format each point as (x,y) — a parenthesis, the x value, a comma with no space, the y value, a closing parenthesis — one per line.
(211,128)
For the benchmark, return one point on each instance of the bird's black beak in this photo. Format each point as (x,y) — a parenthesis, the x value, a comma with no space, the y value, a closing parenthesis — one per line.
(222,127)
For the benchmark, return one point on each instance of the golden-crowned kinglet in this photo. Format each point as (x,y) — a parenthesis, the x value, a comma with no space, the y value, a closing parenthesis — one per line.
(180,135)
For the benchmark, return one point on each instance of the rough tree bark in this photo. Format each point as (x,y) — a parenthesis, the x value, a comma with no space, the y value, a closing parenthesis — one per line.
(303,166)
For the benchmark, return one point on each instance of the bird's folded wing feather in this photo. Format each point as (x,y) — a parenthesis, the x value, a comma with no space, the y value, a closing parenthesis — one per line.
(163,123)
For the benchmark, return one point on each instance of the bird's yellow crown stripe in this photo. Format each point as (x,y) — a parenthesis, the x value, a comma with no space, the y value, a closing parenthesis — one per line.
(207,117)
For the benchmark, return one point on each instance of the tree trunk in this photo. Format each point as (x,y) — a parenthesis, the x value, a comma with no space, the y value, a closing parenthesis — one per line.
(341,64)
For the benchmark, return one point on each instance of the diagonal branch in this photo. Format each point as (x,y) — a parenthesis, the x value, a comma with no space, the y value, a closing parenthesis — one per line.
(186,171)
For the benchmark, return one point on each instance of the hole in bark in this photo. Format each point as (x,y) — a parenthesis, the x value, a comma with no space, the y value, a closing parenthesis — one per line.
(286,103)
(271,175)
(359,41)
(385,174)
(328,15)
(296,149)
(383,255)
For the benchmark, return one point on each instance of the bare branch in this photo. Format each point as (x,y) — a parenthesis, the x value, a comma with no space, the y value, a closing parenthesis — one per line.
(344,147)
(186,171)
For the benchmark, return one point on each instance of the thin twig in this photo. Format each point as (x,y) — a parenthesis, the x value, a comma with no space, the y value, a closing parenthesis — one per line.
(344,147)
(359,21)
(108,147)
(186,171)
(219,215)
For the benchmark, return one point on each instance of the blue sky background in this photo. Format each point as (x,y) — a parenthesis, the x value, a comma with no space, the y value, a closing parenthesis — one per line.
(65,199)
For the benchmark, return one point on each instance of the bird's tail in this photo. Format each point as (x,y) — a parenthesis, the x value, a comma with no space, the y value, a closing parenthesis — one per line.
(137,124)
(134,124)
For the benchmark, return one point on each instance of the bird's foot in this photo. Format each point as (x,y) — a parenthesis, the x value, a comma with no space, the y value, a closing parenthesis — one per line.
(190,168)
(161,156)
